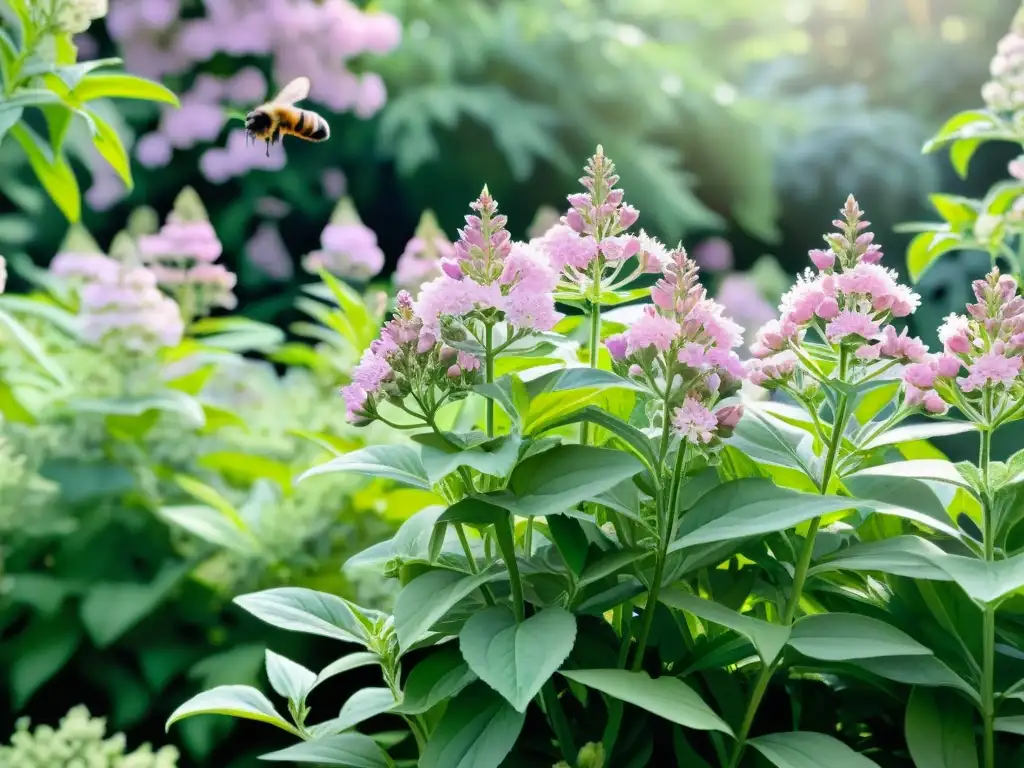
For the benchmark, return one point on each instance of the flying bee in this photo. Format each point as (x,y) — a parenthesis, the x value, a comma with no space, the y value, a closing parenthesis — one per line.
(278,117)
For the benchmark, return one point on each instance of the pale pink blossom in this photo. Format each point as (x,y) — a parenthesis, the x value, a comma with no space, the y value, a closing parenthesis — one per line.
(694,422)
(850,323)
(652,330)
(990,368)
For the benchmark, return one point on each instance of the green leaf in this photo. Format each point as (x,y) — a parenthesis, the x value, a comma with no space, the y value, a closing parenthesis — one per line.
(437,678)
(927,247)
(210,496)
(290,679)
(769,440)
(571,541)
(212,526)
(247,469)
(110,147)
(846,636)
(667,697)
(908,556)
(28,343)
(428,597)
(768,639)
(632,436)
(12,408)
(902,496)
(394,462)
(8,119)
(171,401)
(958,211)
(41,650)
(562,477)
(360,706)
(235,701)
(939,731)
(110,609)
(962,124)
(926,431)
(495,457)
(304,610)
(751,506)
(804,749)
(960,153)
(559,394)
(516,659)
(58,120)
(986,582)
(510,393)
(1013,724)
(351,750)
(478,730)
(345,664)
(53,172)
(608,563)
(121,86)
(917,670)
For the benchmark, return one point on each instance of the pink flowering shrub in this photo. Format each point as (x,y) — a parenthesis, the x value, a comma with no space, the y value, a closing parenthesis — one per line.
(420,262)
(348,248)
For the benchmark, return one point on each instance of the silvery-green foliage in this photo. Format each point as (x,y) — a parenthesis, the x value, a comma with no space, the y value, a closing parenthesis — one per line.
(79,741)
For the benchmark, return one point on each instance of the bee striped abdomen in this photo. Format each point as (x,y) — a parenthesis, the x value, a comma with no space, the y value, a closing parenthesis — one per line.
(307,125)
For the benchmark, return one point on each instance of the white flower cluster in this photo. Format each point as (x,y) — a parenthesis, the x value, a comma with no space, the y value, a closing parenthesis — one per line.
(75,16)
(1005,91)
(79,743)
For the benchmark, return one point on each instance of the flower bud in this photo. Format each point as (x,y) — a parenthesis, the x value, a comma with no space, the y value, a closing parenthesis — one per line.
(616,346)
(454,371)
(447,354)
(823,259)
(628,216)
(727,418)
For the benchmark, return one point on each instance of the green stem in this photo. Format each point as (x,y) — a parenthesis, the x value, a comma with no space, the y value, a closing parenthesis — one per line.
(559,723)
(460,531)
(659,568)
(595,335)
(988,713)
(799,578)
(489,373)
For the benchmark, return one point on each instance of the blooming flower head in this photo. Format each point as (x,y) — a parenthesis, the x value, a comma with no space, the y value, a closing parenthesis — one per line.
(348,248)
(420,262)
(183,256)
(80,260)
(407,358)
(987,341)
(127,311)
(848,304)
(1003,92)
(491,280)
(681,349)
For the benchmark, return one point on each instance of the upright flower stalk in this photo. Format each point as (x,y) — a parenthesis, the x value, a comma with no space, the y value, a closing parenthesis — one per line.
(591,248)
(846,307)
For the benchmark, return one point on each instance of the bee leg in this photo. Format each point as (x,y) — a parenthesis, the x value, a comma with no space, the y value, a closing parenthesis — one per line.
(268,147)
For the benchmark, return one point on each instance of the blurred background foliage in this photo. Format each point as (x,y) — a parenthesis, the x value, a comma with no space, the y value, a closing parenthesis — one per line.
(736,127)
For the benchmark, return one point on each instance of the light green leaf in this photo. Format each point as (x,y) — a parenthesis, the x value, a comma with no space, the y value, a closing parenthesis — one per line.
(438,677)
(427,598)
(917,670)
(110,147)
(934,470)
(212,497)
(751,506)
(667,697)
(804,749)
(1011,724)
(235,701)
(394,462)
(908,556)
(350,750)
(361,705)
(905,497)
(171,401)
(986,582)
(411,542)
(304,610)
(769,639)
(28,342)
(559,394)
(210,525)
(290,679)
(8,119)
(610,562)
(846,636)
(920,432)
(562,477)
(345,664)
(516,659)
(121,86)
(53,172)
(939,730)
(478,730)
(926,247)
(495,457)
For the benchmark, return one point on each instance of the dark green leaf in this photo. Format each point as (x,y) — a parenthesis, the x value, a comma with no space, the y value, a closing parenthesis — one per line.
(939,731)
(110,609)
(571,541)
(235,701)
(427,598)
(478,729)
(351,750)
(847,636)
(437,678)
(804,749)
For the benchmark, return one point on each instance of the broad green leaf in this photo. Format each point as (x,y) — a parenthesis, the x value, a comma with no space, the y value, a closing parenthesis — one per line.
(212,526)
(908,556)
(956,210)
(235,701)
(1011,724)
(939,730)
(768,439)
(121,86)
(109,609)
(304,610)
(410,543)
(918,469)
(172,402)
(290,679)
(562,477)
(495,457)
(510,393)
(628,433)
(917,670)
(474,510)
(927,247)
(516,659)
(805,749)
(847,636)
(968,123)
(345,664)
(110,147)
(610,562)
(558,394)
(751,506)
(667,697)
(12,409)
(986,582)
(905,497)
(960,153)
(248,469)
(42,649)
(349,750)
(428,597)
(437,678)
(768,639)
(8,119)
(571,541)
(393,462)
(53,172)
(478,730)
(361,705)
(920,432)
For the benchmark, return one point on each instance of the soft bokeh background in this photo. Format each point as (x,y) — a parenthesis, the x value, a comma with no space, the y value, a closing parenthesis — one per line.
(737,126)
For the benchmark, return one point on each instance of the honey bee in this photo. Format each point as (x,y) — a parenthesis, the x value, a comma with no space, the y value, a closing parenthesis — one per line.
(279,117)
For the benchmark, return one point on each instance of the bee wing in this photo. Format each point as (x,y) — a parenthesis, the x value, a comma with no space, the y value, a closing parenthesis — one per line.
(296,90)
